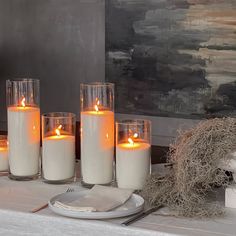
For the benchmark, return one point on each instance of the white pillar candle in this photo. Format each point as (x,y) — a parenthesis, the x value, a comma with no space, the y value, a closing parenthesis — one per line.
(132,164)
(3,158)
(24,140)
(58,157)
(97,146)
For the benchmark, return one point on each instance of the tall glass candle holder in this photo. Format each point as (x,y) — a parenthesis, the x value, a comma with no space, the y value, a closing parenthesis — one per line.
(133,153)
(23,116)
(97,133)
(58,147)
(4,164)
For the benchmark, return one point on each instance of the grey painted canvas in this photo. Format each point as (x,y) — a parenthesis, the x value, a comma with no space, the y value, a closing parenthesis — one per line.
(173,58)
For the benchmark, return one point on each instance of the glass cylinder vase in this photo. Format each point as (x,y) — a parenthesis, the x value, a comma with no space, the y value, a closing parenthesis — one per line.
(58,147)
(23,116)
(4,163)
(97,133)
(133,153)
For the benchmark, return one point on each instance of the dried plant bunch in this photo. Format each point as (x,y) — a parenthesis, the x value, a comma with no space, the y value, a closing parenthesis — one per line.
(196,157)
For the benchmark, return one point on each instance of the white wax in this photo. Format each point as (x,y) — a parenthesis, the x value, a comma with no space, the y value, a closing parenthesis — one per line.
(58,158)
(24,140)
(3,159)
(132,164)
(97,146)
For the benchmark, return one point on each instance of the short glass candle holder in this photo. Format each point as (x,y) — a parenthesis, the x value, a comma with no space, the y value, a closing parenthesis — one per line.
(58,147)
(23,117)
(4,163)
(97,133)
(133,153)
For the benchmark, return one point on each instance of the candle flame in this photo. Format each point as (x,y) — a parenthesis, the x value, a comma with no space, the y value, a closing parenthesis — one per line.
(58,130)
(130,141)
(97,104)
(96,108)
(135,135)
(23,102)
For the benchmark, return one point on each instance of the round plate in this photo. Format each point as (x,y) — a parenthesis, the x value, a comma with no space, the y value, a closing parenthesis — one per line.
(133,205)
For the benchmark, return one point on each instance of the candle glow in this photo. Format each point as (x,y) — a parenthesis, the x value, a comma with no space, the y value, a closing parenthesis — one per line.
(23,102)
(97,104)
(58,133)
(130,140)
(96,108)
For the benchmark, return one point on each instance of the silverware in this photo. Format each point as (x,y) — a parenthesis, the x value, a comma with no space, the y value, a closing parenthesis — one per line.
(140,215)
(46,205)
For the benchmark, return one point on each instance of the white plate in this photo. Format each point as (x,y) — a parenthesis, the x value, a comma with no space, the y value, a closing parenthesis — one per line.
(134,205)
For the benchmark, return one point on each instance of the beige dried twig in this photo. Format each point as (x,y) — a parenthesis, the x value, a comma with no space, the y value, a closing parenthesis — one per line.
(196,155)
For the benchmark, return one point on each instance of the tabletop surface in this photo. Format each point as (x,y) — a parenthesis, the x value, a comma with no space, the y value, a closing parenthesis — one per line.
(17,198)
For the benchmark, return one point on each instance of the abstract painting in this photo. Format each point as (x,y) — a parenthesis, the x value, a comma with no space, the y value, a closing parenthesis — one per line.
(174,58)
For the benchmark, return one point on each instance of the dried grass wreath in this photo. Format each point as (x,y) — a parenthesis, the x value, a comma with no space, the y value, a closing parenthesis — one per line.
(195,156)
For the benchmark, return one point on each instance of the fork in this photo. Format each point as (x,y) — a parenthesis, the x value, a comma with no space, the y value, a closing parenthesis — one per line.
(69,190)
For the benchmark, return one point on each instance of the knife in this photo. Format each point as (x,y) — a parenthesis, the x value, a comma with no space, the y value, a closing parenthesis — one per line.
(141,215)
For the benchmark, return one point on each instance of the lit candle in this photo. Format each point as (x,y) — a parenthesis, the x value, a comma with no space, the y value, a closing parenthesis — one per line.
(3,157)
(24,139)
(133,153)
(97,145)
(132,164)
(58,148)
(23,116)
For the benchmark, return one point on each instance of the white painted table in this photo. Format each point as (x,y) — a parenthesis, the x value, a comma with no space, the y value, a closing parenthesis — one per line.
(18,198)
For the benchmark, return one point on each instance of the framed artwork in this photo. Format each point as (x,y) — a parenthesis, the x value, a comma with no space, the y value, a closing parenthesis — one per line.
(172,58)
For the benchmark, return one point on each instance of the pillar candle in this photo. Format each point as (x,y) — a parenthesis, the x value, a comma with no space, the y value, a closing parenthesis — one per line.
(24,140)
(58,157)
(97,146)
(132,164)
